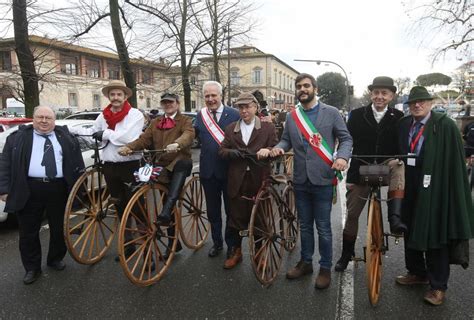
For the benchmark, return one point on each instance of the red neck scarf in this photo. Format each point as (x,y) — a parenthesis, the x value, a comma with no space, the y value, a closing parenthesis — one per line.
(112,118)
(166,123)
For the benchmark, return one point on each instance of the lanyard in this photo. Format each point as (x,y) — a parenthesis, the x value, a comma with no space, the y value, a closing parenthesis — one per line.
(414,142)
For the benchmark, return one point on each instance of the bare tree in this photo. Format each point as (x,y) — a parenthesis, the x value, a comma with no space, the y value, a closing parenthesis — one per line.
(25,56)
(448,23)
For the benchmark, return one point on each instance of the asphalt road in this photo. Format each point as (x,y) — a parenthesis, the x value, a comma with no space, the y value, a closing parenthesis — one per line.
(197,287)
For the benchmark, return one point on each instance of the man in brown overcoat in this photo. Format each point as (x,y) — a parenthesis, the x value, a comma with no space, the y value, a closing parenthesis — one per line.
(247,135)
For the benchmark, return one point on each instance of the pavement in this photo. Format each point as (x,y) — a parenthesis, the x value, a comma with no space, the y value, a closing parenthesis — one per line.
(197,287)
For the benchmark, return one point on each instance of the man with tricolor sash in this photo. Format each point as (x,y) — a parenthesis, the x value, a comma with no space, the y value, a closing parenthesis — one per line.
(210,124)
(312,130)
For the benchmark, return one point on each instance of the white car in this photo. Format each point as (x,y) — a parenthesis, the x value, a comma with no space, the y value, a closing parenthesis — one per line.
(87,153)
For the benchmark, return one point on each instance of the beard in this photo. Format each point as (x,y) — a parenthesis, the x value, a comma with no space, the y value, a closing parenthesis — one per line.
(308,99)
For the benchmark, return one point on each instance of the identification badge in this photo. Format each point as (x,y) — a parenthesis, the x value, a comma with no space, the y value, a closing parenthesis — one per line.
(426,180)
(411,162)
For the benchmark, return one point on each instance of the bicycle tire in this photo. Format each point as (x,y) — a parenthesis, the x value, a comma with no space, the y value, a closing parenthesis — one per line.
(373,250)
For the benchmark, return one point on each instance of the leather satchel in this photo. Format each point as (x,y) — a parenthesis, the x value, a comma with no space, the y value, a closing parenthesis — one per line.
(374,174)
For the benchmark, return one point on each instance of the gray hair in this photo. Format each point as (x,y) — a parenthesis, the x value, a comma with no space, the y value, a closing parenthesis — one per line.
(40,106)
(212,83)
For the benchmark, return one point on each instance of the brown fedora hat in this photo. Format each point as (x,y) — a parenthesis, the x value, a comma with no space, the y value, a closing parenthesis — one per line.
(383,82)
(116,84)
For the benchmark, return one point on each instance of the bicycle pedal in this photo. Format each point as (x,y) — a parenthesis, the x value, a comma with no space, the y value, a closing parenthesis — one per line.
(244,233)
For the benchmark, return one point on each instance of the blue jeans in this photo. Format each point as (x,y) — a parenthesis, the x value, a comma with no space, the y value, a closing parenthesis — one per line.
(313,204)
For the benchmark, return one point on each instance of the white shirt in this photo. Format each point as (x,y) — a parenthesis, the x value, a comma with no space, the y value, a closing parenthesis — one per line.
(36,170)
(126,131)
(378,115)
(246,130)
(218,112)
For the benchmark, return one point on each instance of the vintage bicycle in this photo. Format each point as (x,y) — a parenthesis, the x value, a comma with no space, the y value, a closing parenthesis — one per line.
(154,243)
(376,176)
(90,218)
(273,226)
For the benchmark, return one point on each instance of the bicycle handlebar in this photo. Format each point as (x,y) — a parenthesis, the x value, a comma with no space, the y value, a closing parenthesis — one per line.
(397,156)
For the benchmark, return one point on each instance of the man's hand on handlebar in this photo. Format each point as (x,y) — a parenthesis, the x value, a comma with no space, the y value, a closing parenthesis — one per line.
(263,153)
(276,152)
(125,151)
(172,148)
(340,164)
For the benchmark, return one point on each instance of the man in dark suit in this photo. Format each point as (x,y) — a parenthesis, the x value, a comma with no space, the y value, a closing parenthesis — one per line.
(39,165)
(251,135)
(210,124)
(437,207)
(374,132)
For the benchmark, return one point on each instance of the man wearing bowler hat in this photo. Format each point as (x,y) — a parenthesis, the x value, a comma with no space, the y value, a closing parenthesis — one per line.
(437,207)
(374,132)
(117,125)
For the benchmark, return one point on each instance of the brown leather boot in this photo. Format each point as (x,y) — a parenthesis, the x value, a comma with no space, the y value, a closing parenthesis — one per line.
(323,280)
(301,269)
(234,259)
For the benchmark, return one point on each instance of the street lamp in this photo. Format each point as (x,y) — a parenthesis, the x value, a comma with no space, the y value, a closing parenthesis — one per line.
(337,64)
(228,30)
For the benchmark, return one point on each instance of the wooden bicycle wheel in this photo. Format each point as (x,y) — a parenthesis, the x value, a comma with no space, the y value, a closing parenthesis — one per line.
(373,250)
(266,236)
(90,219)
(291,218)
(145,247)
(289,164)
(194,225)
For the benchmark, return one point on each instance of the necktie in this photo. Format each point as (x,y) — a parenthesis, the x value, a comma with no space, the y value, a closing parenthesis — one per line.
(214,115)
(416,130)
(166,123)
(49,161)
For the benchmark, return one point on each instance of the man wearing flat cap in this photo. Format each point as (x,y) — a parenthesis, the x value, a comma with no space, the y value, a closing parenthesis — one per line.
(117,125)
(374,132)
(175,133)
(247,135)
(437,207)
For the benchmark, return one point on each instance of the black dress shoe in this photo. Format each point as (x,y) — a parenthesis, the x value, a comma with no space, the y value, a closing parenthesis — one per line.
(57,265)
(214,251)
(31,276)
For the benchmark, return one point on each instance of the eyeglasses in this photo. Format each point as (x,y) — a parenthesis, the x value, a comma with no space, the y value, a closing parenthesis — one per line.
(44,118)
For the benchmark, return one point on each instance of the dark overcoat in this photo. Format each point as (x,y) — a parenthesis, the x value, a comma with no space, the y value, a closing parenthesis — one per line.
(15,162)
(370,137)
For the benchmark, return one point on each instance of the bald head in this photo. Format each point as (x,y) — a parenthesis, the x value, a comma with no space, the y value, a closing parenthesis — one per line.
(43,119)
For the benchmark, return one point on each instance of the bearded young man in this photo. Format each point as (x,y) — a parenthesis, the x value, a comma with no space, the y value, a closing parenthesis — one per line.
(311,130)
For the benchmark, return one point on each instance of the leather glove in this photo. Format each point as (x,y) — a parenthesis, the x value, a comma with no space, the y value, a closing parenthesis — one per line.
(98,135)
(235,154)
(171,148)
(125,151)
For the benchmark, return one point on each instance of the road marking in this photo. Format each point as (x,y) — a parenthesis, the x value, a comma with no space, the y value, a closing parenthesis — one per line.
(345,296)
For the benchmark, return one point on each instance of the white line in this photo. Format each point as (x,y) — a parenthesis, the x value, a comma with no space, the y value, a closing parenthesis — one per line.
(345,297)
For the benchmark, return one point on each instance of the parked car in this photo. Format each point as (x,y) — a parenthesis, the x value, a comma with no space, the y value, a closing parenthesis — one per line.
(87,154)
(193,115)
(7,123)
(84,115)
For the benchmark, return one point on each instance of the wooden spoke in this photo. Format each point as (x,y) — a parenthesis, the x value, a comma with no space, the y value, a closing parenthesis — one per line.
(374,246)
(194,225)
(266,236)
(90,220)
(291,218)
(143,243)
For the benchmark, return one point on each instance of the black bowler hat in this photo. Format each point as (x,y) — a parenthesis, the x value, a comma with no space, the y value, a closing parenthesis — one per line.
(418,93)
(169,97)
(383,82)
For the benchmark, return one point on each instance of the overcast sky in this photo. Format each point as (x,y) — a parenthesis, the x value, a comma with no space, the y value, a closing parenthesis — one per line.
(366,37)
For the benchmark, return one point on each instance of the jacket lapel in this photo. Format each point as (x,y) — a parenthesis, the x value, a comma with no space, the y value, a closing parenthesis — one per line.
(369,116)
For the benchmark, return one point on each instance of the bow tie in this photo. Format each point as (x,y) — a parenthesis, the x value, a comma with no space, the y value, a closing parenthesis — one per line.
(166,123)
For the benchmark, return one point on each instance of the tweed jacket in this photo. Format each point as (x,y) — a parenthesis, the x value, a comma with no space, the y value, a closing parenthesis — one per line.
(308,165)
(263,136)
(370,137)
(154,138)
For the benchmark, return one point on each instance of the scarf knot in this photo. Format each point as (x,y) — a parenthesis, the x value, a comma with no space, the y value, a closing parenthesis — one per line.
(166,123)
(112,118)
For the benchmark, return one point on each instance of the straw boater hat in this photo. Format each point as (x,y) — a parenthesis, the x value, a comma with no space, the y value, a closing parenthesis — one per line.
(116,84)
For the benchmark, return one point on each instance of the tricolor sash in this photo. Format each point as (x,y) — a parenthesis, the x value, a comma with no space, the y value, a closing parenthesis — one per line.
(314,138)
(211,126)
